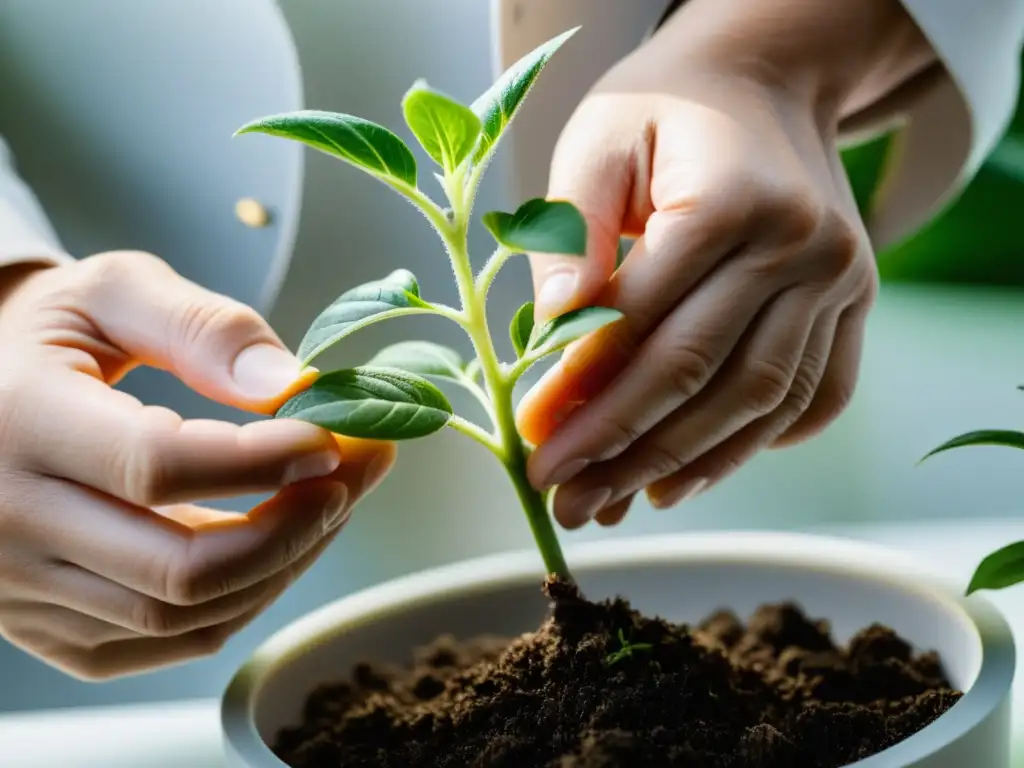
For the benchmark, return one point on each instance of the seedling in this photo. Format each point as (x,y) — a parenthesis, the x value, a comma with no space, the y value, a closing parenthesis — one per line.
(392,397)
(626,650)
(1004,567)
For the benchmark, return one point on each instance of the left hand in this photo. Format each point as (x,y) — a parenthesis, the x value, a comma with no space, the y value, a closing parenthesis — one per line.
(745,296)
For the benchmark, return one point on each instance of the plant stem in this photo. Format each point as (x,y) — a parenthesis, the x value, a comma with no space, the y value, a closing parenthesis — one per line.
(512,451)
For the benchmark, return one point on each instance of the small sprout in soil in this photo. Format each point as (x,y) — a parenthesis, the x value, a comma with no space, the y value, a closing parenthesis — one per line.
(626,650)
(393,396)
(1004,567)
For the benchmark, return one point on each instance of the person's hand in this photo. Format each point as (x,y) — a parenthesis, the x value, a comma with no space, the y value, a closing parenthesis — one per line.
(745,295)
(106,567)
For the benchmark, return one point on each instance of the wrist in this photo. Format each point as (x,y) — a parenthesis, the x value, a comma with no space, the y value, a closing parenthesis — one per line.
(837,57)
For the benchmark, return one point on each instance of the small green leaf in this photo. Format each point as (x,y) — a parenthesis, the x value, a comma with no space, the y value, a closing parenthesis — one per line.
(565,329)
(1003,437)
(397,294)
(1003,568)
(372,403)
(447,129)
(366,145)
(521,328)
(540,226)
(499,104)
(424,358)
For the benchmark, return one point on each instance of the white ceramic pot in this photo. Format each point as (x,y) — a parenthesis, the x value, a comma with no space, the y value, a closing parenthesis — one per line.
(682,578)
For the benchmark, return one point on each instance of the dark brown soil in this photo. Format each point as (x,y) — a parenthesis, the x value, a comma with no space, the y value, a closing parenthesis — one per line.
(775,692)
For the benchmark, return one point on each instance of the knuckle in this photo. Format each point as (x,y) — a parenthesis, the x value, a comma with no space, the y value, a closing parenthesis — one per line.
(765,385)
(802,389)
(209,640)
(143,459)
(183,579)
(660,461)
(841,245)
(617,436)
(800,217)
(118,267)
(688,369)
(154,618)
(211,320)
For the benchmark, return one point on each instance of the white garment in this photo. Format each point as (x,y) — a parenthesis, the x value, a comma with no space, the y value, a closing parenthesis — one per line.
(949,128)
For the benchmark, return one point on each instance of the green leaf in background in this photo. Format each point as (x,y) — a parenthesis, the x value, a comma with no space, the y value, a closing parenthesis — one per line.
(397,294)
(366,145)
(371,403)
(978,239)
(1003,568)
(540,226)
(447,130)
(424,358)
(565,329)
(1001,437)
(498,105)
(521,328)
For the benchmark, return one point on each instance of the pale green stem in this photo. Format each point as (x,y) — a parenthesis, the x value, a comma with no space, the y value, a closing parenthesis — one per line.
(482,436)
(477,391)
(512,452)
(490,270)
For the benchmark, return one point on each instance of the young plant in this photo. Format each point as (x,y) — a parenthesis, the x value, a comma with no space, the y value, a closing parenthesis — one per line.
(1004,567)
(626,649)
(391,397)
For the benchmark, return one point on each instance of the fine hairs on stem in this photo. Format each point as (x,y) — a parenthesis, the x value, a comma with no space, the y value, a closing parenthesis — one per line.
(393,396)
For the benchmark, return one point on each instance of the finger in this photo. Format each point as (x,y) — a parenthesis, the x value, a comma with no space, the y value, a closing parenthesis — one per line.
(671,367)
(709,469)
(147,455)
(592,168)
(678,249)
(162,558)
(754,383)
(143,654)
(838,382)
(71,589)
(216,345)
(46,626)
(615,513)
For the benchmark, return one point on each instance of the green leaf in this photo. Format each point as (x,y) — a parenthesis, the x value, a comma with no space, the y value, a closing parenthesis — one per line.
(447,129)
(366,145)
(565,329)
(540,226)
(521,328)
(1001,437)
(1003,568)
(502,100)
(424,358)
(397,294)
(372,403)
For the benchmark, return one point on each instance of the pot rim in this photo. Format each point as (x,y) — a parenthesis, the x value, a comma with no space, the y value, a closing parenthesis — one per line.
(799,551)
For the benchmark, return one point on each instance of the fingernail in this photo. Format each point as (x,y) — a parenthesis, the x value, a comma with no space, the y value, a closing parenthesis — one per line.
(265,371)
(557,292)
(678,494)
(585,507)
(336,510)
(312,465)
(566,472)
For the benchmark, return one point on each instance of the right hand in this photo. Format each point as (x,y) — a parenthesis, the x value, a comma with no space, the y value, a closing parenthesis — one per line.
(106,566)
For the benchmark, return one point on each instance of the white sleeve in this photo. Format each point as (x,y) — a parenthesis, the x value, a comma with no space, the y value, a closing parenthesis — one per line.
(25,232)
(952,126)
(950,123)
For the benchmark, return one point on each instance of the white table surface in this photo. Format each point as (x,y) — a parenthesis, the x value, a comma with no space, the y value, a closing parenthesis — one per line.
(187,734)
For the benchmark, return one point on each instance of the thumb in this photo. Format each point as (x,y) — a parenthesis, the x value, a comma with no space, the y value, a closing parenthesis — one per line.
(594,174)
(219,347)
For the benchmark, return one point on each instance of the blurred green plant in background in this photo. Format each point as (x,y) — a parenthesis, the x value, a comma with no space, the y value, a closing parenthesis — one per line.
(977,240)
